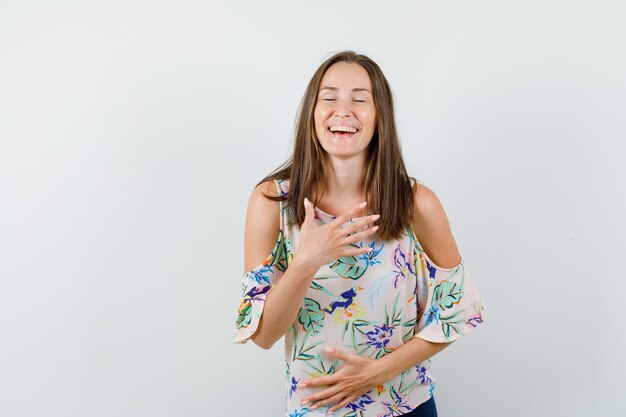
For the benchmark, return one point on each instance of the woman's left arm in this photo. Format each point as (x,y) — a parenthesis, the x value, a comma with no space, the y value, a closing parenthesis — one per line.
(407,355)
(360,374)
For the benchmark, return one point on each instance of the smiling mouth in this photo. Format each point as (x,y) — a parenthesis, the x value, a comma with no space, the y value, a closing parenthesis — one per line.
(342,135)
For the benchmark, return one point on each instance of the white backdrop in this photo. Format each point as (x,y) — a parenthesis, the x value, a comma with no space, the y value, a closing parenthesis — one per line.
(132,133)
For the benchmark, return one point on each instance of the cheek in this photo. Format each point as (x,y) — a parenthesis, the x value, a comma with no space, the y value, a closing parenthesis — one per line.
(321,113)
(369,118)
(318,123)
(319,116)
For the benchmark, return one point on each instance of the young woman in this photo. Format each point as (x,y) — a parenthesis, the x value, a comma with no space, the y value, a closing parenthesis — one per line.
(351,259)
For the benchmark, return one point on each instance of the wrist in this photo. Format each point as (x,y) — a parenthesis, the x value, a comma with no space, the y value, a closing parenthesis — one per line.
(304,266)
(382,370)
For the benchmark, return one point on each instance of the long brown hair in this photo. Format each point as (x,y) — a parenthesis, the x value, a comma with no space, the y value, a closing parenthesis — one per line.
(388,188)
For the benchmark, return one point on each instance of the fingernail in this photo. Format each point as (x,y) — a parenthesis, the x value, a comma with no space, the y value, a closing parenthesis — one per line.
(363,204)
(375,216)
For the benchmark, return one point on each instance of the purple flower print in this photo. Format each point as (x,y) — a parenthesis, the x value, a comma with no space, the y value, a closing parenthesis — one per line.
(421,374)
(402,264)
(474,321)
(360,403)
(379,337)
(397,408)
(294,386)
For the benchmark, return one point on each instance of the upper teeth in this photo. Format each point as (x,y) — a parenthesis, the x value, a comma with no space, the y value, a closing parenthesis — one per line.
(342,129)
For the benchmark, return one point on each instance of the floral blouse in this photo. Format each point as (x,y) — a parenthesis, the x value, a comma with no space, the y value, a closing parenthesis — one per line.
(369,305)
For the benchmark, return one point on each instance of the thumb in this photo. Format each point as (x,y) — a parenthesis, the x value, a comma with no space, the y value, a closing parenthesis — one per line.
(338,354)
(308,207)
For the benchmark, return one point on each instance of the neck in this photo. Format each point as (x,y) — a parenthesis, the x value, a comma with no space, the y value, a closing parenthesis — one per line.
(345,177)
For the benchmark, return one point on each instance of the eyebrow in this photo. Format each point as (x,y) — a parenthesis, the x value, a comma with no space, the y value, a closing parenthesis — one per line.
(354,89)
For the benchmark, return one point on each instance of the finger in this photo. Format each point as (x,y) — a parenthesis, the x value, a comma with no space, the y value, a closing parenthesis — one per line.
(343,217)
(316,382)
(319,398)
(365,220)
(339,354)
(330,400)
(361,235)
(351,250)
(308,210)
(342,404)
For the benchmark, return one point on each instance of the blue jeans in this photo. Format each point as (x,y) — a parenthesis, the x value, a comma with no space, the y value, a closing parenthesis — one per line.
(426,409)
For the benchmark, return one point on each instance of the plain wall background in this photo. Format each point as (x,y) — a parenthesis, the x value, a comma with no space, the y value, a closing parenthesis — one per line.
(133,132)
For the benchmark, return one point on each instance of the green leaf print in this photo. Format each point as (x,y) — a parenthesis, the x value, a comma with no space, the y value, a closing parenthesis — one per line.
(394,395)
(319,368)
(406,389)
(301,351)
(411,329)
(447,293)
(449,323)
(245,316)
(349,266)
(279,254)
(395,318)
(321,288)
(311,317)
(351,327)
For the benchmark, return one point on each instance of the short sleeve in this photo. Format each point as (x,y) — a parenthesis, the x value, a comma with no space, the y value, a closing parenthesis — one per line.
(255,286)
(448,304)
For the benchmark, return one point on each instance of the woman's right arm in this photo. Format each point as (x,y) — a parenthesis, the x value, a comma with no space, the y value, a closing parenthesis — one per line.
(283,301)
(318,246)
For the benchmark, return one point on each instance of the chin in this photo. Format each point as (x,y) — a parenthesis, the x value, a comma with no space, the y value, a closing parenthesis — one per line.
(342,153)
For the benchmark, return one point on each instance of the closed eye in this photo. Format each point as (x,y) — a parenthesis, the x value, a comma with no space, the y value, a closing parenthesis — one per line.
(332,99)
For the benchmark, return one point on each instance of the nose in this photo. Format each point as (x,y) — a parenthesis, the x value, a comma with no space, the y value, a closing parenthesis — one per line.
(343,107)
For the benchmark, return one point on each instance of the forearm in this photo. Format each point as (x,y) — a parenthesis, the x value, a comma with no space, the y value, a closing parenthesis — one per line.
(282,303)
(405,356)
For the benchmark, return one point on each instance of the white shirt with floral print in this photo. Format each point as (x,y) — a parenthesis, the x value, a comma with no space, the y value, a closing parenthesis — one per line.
(368,305)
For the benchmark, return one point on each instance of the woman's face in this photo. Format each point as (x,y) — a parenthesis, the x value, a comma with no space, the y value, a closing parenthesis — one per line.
(345,100)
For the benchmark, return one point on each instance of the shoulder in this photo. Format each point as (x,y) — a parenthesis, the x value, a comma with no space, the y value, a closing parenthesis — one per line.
(432,228)
(261,208)
(425,202)
(262,226)
(268,188)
